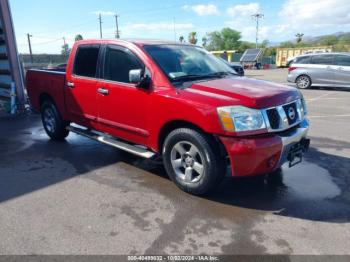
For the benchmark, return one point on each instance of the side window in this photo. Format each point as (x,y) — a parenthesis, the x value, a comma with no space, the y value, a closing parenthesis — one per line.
(343,60)
(322,60)
(85,63)
(302,60)
(118,63)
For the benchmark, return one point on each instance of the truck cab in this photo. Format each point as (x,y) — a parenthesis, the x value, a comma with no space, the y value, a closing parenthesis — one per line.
(177,101)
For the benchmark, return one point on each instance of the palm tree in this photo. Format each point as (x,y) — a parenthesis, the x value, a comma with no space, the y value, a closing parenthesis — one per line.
(299,37)
(192,38)
(181,39)
(78,38)
(204,41)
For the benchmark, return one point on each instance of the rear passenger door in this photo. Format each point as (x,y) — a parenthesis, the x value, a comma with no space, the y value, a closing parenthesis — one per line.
(321,71)
(81,90)
(342,70)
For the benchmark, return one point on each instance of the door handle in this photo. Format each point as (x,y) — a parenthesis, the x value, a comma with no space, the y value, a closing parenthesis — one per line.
(103,91)
(70,84)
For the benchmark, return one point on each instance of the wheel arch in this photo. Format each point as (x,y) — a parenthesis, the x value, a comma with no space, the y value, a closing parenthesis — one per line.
(45,97)
(177,124)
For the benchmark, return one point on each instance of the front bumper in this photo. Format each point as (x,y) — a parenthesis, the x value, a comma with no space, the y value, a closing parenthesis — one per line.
(263,154)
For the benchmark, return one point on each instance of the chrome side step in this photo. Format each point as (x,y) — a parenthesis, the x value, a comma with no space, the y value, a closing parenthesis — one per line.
(138,151)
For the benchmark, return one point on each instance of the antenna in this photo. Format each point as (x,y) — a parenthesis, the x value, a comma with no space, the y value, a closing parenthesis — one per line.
(257,18)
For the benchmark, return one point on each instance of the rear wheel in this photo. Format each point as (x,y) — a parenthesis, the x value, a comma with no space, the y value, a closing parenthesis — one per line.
(192,161)
(303,82)
(53,124)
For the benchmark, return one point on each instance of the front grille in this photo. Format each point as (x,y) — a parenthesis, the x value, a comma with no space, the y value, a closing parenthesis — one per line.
(292,113)
(274,118)
(283,117)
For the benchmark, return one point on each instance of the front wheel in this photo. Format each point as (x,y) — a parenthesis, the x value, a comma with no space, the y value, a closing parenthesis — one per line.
(192,161)
(303,82)
(53,124)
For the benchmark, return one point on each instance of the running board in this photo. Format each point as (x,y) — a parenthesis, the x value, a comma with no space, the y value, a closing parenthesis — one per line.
(138,151)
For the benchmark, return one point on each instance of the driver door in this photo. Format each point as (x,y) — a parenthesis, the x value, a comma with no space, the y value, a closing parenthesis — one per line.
(123,109)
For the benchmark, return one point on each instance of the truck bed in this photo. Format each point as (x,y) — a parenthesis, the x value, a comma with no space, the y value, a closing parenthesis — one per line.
(49,82)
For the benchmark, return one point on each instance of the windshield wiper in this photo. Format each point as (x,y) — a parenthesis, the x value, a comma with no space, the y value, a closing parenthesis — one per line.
(222,74)
(188,77)
(194,77)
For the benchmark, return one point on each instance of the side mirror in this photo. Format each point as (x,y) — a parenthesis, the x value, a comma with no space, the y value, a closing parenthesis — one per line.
(137,77)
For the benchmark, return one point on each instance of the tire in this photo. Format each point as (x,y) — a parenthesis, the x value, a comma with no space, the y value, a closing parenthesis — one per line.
(53,124)
(303,82)
(193,161)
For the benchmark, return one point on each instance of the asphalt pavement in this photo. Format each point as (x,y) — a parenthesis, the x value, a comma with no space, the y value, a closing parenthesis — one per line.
(80,197)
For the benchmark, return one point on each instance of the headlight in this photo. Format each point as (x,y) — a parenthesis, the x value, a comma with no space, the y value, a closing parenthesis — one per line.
(239,119)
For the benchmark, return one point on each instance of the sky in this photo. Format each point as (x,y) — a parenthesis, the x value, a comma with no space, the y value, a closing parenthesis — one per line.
(50,21)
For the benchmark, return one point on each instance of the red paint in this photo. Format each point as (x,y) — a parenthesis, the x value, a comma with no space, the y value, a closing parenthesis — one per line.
(139,116)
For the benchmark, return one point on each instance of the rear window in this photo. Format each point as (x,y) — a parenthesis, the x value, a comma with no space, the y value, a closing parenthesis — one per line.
(302,60)
(86,61)
(343,60)
(322,60)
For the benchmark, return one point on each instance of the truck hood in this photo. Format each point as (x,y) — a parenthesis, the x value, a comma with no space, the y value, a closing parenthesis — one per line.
(245,91)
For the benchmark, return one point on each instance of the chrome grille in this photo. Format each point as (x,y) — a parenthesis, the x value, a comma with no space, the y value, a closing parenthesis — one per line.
(283,117)
(274,118)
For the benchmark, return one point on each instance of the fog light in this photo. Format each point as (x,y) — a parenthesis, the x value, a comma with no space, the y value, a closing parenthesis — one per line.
(272,162)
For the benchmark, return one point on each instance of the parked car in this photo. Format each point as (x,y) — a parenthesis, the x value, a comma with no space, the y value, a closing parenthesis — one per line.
(327,69)
(237,67)
(175,101)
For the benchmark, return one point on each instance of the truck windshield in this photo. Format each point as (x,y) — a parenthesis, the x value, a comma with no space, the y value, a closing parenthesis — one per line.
(183,63)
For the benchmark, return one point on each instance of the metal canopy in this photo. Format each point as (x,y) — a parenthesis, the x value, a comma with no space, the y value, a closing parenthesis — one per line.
(10,68)
(252,55)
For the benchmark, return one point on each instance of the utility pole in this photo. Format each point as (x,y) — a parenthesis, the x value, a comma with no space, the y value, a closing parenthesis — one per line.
(257,18)
(175,35)
(100,19)
(30,48)
(65,47)
(117,33)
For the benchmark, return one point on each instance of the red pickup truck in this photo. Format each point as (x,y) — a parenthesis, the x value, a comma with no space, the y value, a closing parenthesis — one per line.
(177,101)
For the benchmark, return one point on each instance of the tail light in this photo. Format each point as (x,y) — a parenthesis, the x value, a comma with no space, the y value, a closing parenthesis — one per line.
(291,69)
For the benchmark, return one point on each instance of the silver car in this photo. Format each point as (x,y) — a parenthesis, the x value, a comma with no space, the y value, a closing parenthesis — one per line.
(327,69)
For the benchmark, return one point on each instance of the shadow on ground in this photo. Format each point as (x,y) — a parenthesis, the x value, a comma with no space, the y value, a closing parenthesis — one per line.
(317,190)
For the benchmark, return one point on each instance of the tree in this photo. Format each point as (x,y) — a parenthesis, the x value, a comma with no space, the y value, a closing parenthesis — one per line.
(204,41)
(329,40)
(182,39)
(287,44)
(265,44)
(78,38)
(192,38)
(299,37)
(226,39)
(65,50)
(244,46)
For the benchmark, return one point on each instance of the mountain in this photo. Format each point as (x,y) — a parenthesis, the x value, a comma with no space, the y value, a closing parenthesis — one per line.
(316,39)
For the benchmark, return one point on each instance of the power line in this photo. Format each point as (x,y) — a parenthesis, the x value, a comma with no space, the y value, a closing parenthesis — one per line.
(257,17)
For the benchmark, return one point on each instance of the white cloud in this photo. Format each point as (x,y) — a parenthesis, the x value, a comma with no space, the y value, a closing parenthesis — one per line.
(243,10)
(316,13)
(160,26)
(104,13)
(202,10)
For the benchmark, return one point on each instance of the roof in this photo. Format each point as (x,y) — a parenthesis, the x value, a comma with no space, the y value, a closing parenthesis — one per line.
(326,53)
(136,41)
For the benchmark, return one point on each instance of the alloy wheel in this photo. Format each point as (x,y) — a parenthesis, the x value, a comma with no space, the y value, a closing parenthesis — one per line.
(187,162)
